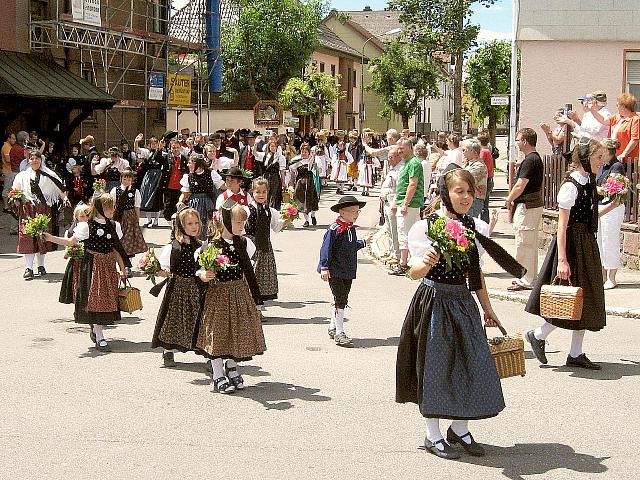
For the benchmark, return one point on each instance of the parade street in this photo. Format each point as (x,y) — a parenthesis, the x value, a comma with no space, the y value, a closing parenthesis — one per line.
(311,409)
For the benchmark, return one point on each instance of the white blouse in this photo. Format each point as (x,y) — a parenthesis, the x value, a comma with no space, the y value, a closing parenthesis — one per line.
(81,232)
(120,164)
(568,192)
(137,201)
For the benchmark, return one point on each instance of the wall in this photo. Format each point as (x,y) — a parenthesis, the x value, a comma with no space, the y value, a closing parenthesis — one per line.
(329,61)
(217,119)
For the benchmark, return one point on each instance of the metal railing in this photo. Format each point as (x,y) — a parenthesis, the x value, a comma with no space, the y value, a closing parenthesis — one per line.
(555,168)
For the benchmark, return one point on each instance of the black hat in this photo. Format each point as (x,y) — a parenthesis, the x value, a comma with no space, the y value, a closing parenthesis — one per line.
(348,201)
(168,135)
(250,135)
(236,172)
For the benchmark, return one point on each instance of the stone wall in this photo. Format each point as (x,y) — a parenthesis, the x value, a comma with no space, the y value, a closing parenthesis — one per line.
(629,238)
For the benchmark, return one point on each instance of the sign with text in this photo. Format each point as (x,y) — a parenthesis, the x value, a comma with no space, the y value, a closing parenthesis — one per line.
(86,11)
(156,86)
(499,100)
(179,87)
(267,113)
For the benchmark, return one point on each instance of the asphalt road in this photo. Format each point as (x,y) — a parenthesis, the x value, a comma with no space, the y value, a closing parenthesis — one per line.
(311,409)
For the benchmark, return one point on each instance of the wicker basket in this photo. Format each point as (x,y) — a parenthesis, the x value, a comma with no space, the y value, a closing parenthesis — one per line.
(561,301)
(129,298)
(508,354)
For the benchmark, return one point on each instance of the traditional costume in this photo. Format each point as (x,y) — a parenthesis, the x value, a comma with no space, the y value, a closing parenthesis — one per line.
(273,164)
(110,170)
(151,172)
(202,187)
(365,171)
(339,167)
(127,200)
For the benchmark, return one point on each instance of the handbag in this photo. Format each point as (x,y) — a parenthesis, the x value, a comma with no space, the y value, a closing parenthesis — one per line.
(561,301)
(508,353)
(129,297)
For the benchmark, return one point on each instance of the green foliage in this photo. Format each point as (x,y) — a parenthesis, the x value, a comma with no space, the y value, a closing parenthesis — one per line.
(488,72)
(343,17)
(401,76)
(269,44)
(316,94)
(36,226)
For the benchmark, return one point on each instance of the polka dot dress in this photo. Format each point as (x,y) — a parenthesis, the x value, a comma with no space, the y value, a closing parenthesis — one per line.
(231,273)
(100,239)
(186,265)
(456,276)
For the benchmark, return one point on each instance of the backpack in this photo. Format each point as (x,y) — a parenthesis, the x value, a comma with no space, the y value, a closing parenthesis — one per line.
(495,153)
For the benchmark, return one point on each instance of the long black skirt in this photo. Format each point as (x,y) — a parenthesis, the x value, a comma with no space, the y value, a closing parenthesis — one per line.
(275,188)
(586,272)
(151,192)
(305,193)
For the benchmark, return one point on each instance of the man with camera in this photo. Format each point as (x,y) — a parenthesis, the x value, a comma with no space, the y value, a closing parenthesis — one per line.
(589,124)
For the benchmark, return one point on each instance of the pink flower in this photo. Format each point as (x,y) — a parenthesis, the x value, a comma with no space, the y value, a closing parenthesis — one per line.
(463,241)
(143,263)
(454,229)
(223,260)
(291,211)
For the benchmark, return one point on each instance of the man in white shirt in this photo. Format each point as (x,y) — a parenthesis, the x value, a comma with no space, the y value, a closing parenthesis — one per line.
(388,198)
(589,125)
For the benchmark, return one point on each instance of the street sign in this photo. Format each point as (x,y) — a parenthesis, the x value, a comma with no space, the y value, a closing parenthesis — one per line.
(499,100)
(156,86)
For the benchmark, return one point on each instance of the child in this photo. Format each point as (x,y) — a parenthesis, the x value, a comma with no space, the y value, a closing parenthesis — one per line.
(444,363)
(307,184)
(70,278)
(230,326)
(339,260)
(262,220)
(340,161)
(77,185)
(365,172)
(180,309)
(235,181)
(127,213)
(96,294)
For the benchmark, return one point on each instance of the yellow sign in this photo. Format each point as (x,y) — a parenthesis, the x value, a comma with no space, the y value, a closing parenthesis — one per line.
(179,89)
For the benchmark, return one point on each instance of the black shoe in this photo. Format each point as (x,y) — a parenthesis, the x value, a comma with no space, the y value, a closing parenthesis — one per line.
(41,271)
(339,192)
(537,346)
(305,224)
(582,361)
(168,360)
(448,453)
(103,346)
(473,448)
(399,270)
(28,274)
(314,221)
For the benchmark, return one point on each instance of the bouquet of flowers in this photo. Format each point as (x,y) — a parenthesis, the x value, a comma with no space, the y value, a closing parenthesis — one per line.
(615,188)
(35,227)
(213,259)
(452,240)
(100,185)
(16,197)
(289,211)
(150,265)
(75,251)
(246,173)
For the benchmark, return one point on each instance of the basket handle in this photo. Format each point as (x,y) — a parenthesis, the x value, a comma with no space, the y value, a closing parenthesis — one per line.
(124,282)
(503,331)
(558,281)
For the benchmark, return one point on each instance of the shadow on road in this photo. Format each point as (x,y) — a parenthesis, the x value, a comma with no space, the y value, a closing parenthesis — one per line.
(375,342)
(276,395)
(610,371)
(291,305)
(296,321)
(118,346)
(524,459)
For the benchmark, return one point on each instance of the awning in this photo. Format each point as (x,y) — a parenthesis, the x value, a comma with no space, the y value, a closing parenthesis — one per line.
(30,78)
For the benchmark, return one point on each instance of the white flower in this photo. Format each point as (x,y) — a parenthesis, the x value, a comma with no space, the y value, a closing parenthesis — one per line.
(109,236)
(100,232)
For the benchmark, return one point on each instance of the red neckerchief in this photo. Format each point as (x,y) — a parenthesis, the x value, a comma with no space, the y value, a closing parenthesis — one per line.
(344,226)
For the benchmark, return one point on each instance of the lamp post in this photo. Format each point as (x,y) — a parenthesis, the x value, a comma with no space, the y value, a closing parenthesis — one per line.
(390,32)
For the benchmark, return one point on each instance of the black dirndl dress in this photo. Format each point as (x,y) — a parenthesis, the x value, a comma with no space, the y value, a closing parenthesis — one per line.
(201,199)
(444,363)
(584,261)
(151,185)
(258,229)
(272,175)
(305,194)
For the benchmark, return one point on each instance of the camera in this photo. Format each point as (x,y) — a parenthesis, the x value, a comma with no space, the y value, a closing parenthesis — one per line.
(568,108)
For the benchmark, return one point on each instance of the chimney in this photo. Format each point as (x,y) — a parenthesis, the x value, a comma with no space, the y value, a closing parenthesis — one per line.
(367,9)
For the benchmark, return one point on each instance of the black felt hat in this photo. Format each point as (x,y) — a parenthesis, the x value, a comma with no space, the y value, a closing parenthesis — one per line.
(347,201)
(235,172)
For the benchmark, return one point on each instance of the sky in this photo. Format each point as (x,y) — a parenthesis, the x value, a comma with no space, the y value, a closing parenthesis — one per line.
(494,21)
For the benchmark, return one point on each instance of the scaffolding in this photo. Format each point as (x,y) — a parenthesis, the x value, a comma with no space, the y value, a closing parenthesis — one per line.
(134,39)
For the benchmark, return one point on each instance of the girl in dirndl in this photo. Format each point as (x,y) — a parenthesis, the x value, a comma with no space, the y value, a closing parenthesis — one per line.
(340,161)
(365,172)
(71,273)
(128,201)
(96,293)
(444,363)
(43,191)
(176,325)
(304,170)
(573,255)
(230,330)
(262,220)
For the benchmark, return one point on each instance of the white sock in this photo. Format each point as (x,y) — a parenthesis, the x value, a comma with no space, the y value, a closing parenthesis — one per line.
(164,350)
(306,217)
(28,260)
(313,214)
(157,217)
(41,259)
(218,369)
(339,321)
(97,329)
(576,343)
(543,331)
(461,427)
(231,364)
(433,431)
(332,323)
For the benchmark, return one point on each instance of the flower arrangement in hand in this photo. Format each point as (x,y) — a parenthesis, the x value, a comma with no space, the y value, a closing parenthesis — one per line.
(214,260)
(615,188)
(150,265)
(16,197)
(74,251)
(36,226)
(289,211)
(100,185)
(452,240)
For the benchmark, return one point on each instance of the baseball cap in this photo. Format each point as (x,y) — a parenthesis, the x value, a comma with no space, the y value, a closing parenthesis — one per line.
(584,98)
(599,96)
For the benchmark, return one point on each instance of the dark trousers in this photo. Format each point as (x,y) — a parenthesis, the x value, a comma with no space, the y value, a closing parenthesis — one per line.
(485,210)
(340,288)
(171,198)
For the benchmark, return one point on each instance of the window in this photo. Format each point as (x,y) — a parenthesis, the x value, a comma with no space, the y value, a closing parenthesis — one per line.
(321,67)
(632,72)
(333,70)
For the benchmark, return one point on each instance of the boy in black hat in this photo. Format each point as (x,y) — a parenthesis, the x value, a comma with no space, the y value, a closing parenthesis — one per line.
(339,261)
(236,181)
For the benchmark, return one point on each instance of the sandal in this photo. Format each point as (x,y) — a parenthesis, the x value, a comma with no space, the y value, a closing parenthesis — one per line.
(222,385)
(237,381)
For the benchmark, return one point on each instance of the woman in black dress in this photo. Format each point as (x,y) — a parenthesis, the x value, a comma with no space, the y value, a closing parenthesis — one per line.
(573,255)
(305,194)
(275,164)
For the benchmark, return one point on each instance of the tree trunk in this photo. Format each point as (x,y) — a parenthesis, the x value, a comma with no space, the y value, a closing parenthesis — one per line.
(457,93)
(405,121)
(493,121)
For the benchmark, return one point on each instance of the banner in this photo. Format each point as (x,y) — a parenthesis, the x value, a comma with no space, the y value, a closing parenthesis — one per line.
(86,11)
(156,86)
(179,87)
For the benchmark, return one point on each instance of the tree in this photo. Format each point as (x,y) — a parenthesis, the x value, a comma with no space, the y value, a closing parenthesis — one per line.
(443,25)
(269,44)
(401,76)
(488,72)
(316,95)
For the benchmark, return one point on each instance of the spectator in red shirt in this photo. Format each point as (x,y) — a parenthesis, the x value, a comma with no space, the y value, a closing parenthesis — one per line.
(177,168)
(624,126)
(487,158)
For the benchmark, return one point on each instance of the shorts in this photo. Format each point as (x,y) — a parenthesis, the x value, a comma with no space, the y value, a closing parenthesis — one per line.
(405,222)
(8,183)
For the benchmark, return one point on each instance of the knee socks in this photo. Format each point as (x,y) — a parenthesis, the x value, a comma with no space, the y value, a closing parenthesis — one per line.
(232,364)
(218,368)
(28,260)
(97,329)
(576,343)
(332,323)
(41,260)
(306,217)
(433,431)
(543,331)
(339,314)
(461,427)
